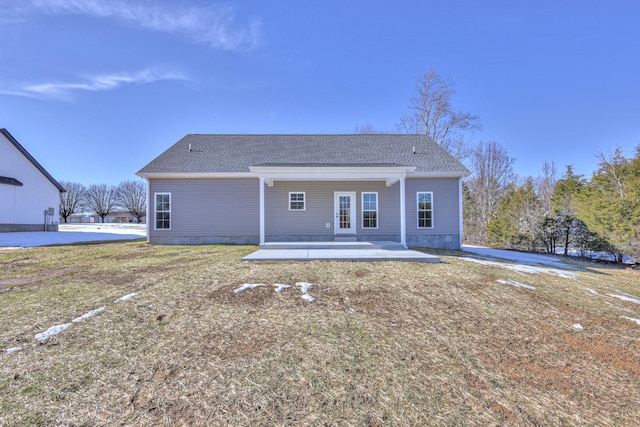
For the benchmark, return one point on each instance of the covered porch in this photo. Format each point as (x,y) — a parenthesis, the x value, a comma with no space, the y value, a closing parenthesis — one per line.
(327,203)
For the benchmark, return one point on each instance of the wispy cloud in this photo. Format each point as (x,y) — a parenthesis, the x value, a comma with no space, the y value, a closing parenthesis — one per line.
(214,25)
(65,91)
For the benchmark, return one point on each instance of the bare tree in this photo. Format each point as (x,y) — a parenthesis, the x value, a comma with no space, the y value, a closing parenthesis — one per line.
(433,114)
(72,200)
(545,185)
(132,195)
(101,198)
(492,175)
(368,129)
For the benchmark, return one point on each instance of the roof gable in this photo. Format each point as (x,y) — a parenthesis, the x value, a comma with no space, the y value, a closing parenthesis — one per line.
(202,154)
(31,159)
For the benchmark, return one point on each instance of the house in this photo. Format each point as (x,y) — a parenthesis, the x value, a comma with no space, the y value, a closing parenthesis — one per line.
(29,195)
(252,189)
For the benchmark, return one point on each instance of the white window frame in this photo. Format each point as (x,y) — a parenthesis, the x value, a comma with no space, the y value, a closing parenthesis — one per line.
(418,209)
(370,210)
(304,201)
(156,211)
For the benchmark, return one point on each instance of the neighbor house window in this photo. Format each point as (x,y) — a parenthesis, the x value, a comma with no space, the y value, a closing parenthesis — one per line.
(369,210)
(296,202)
(163,211)
(425,210)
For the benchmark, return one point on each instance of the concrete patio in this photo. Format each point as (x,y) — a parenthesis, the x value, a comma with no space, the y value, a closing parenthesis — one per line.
(337,251)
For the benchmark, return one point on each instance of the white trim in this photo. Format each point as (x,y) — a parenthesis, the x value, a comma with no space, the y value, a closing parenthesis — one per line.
(148,224)
(418,210)
(460,210)
(155,210)
(403,213)
(336,209)
(182,175)
(362,210)
(261,183)
(304,201)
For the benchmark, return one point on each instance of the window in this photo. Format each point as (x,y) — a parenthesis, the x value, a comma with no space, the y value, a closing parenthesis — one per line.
(425,210)
(369,210)
(163,211)
(296,202)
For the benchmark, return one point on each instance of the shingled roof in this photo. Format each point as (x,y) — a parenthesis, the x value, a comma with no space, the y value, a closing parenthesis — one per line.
(201,154)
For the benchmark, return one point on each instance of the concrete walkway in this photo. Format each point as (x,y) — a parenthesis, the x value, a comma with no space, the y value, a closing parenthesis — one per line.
(337,251)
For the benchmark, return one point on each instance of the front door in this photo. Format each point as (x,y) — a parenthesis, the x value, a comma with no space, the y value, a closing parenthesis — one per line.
(345,211)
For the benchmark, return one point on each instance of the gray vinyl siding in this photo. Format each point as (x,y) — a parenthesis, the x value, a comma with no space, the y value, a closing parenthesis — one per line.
(208,210)
(446,214)
(283,224)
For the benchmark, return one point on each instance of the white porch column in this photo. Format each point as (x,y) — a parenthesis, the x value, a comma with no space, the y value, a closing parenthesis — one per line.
(460,211)
(403,213)
(261,180)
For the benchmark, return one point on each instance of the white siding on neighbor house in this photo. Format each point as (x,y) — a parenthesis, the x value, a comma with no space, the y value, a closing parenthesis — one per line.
(319,208)
(205,209)
(24,204)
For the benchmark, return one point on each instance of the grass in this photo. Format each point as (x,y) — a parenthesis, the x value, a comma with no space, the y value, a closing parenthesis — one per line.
(389,343)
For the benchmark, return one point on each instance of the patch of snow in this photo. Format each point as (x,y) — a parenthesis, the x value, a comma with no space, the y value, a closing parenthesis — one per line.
(516,284)
(13,349)
(521,268)
(578,327)
(88,315)
(304,286)
(279,287)
(73,233)
(593,291)
(625,298)
(126,297)
(247,286)
(308,297)
(54,330)
(628,310)
(633,319)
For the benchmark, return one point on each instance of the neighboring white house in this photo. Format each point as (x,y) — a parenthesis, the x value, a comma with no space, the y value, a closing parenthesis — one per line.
(29,195)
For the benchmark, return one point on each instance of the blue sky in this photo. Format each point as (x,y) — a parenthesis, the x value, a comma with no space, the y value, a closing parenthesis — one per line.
(97,89)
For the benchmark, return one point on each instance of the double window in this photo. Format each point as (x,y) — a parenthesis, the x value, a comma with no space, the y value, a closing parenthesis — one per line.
(163,211)
(425,210)
(369,210)
(296,202)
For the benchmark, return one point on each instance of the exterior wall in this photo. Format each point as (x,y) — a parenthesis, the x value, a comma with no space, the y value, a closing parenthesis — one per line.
(226,210)
(206,211)
(281,224)
(445,233)
(22,207)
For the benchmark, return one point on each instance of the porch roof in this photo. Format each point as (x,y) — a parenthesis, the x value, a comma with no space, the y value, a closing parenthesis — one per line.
(389,173)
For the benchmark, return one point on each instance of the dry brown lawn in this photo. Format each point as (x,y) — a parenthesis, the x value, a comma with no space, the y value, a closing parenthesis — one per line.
(388,343)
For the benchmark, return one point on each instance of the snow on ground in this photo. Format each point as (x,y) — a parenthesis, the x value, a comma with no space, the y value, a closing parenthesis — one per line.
(625,298)
(515,256)
(247,286)
(304,288)
(516,284)
(522,268)
(279,287)
(88,315)
(126,297)
(54,330)
(73,233)
(578,327)
(633,319)
(13,349)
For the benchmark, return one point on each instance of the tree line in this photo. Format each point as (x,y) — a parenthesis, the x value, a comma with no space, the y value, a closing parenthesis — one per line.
(546,213)
(103,199)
